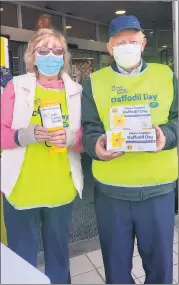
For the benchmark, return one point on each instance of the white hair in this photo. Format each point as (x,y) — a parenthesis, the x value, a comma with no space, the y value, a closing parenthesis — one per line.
(141,34)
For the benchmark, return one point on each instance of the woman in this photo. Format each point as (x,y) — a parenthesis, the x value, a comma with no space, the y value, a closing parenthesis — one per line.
(40,186)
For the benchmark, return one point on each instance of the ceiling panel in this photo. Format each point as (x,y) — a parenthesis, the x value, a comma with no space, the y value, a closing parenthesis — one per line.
(148,12)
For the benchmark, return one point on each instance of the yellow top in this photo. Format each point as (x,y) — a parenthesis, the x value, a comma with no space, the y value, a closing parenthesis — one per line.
(45,179)
(153,87)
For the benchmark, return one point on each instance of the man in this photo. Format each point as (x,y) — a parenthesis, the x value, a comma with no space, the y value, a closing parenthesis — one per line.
(134,192)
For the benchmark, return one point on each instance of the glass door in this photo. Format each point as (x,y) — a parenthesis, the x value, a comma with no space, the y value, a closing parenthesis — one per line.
(15,56)
(83,64)
(17,50)
(105,60)
(84,223)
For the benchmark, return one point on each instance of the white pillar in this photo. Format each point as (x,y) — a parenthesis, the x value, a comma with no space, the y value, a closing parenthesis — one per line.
(175,35)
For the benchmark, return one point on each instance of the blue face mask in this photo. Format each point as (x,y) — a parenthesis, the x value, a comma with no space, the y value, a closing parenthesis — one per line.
(49,64)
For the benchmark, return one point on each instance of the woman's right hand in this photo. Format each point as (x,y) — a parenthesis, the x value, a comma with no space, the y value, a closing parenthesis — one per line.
(41,134)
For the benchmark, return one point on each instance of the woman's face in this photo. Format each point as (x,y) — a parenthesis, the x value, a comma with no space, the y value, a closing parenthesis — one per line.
(49,57)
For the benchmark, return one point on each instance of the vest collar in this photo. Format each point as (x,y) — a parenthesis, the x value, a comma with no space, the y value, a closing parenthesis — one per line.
(71,87)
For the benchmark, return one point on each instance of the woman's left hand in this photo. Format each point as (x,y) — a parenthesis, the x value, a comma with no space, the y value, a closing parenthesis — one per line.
(58,138)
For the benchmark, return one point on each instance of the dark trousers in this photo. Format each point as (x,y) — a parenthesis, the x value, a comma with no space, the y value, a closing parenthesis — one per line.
(176,198)
(151,221)
(23,231)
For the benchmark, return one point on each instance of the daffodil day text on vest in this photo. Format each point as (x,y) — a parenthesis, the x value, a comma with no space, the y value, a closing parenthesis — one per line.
(137,97)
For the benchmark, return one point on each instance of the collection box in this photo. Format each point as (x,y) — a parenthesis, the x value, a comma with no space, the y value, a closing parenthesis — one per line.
(130,117)
(131,140)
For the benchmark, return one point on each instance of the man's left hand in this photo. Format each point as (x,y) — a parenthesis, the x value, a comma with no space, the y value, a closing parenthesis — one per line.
(160,138)
(58,138)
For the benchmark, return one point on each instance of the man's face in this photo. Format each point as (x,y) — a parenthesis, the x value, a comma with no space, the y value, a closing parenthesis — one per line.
(126,37)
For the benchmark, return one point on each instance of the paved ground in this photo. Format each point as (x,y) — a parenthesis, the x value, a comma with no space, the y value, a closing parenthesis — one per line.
(88,268)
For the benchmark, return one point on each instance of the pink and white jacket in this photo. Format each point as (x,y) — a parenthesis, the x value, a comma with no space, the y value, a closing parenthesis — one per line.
(17,103)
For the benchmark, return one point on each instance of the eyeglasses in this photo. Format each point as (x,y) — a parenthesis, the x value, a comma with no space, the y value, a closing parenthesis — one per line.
(46,50)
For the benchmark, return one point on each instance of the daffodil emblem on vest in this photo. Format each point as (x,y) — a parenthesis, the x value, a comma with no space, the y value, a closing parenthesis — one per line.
(112,89)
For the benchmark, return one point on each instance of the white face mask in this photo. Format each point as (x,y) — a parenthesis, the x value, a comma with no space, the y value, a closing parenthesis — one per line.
(127,55)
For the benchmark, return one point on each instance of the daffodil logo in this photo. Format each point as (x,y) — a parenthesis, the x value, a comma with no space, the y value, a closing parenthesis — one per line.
(117,140)
(119,121)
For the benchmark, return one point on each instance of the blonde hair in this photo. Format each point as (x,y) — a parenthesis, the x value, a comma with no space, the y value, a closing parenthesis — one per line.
(44,35)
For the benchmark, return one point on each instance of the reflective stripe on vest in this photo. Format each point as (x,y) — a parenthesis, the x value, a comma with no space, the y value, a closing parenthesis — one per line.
(153,86)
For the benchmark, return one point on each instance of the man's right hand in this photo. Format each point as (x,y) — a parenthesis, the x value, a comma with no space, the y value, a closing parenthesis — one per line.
(101,151)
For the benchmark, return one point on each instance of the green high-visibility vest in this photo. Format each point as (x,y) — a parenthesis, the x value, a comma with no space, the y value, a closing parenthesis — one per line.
(153,86)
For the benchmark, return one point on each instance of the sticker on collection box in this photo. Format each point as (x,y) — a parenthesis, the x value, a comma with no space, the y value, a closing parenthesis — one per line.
(130,117)
(131,141)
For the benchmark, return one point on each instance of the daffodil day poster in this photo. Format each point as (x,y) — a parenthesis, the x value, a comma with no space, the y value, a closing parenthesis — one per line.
(131,141)
(130,117)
